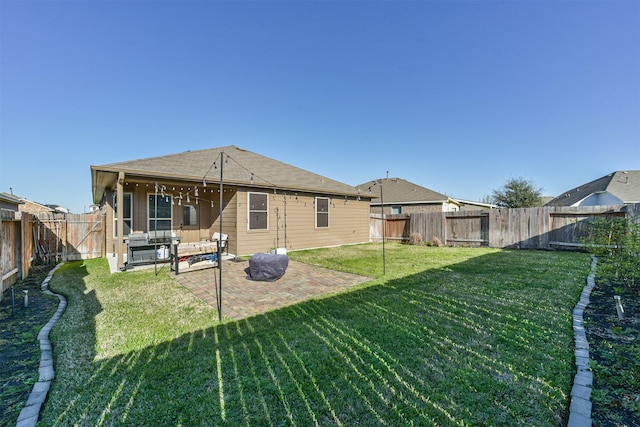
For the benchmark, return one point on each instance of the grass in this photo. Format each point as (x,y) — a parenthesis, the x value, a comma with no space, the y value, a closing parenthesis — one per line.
(450,336)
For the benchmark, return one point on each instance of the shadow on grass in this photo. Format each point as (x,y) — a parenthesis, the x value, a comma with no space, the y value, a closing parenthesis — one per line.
(485,341)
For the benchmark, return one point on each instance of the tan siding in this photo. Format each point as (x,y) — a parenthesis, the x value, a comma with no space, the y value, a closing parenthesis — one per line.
(348,223)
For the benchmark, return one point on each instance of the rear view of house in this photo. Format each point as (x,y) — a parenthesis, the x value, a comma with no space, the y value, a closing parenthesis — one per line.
(258,202)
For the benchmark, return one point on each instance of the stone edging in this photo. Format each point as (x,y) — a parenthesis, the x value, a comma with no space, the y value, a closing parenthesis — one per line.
(580,409)
(31,412)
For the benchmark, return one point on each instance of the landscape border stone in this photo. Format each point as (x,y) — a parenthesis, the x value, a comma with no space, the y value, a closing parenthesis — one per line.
(31,412)
(580,408)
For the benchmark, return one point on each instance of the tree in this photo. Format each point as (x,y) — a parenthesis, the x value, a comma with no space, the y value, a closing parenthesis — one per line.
(517,193)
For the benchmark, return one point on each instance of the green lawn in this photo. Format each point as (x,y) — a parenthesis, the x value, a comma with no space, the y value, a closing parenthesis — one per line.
(450,336)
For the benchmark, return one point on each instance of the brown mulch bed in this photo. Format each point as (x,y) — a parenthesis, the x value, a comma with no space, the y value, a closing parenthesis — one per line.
(614,350)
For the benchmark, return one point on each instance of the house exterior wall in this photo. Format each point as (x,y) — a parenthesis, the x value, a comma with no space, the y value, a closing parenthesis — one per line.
(348,223)
(34,208)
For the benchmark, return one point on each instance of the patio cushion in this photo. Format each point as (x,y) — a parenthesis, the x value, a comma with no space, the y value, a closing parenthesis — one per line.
(267,267)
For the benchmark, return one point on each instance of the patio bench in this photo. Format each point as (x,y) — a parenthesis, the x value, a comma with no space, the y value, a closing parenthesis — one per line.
(196,252)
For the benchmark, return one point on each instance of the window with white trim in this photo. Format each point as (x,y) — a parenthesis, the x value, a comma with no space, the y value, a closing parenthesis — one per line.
(160,212)
(189,215)
(258,211)
(127,214)
(322,212)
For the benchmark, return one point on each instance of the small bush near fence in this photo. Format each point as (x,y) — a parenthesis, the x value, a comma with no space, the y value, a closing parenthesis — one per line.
(436,242)
(616,242)
(415,239)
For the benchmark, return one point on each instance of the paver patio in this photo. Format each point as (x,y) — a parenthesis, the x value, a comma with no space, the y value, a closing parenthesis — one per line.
(243,298)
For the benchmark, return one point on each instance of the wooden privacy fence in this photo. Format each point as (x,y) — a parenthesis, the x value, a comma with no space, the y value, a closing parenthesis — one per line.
(68,237)
(528,228)
(395,227)
(47,238)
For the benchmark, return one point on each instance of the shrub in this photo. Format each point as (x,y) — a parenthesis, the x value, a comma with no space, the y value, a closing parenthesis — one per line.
(617,243)
(436,242)
(416,239)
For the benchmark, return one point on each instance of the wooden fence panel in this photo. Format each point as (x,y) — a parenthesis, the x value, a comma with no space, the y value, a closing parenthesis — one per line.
(9,254)
(397,227)
(430,226)
(70,237)
(529,228)
(570,226)
(466,228)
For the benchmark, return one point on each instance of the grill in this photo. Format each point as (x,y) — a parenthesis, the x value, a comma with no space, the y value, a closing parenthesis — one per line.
(149,247)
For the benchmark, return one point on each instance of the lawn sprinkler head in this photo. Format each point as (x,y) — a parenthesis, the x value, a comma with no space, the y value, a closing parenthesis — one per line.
(619,307)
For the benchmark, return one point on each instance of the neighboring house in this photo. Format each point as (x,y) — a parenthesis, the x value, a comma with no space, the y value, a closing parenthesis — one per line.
(403,197)
(469,205)
(29,206)
(9,205)
(32,207)
(265,203)
(617,188)
(59,209)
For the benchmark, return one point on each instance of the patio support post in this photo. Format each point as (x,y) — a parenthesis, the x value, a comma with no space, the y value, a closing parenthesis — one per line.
(384,227)
(120,222)
(220,240)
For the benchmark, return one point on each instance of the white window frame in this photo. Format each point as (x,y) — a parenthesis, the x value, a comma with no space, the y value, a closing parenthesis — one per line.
(316,205)
(249,211)
(184,218)
(151,220)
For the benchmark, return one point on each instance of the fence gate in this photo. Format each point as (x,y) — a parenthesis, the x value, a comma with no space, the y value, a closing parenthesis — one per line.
(70,237)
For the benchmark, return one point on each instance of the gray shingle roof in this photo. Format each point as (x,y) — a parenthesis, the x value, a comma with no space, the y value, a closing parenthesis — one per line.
(623,184)
(400,191)
(242,167)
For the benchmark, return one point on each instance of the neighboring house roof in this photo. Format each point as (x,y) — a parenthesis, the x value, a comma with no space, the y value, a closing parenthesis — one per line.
(242,168)
(10,198)
(58,209)
(30,206)
(478,204)
(620,187)
(398,191)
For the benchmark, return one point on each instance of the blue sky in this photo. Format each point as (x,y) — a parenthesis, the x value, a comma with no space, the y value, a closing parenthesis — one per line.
(457,96)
